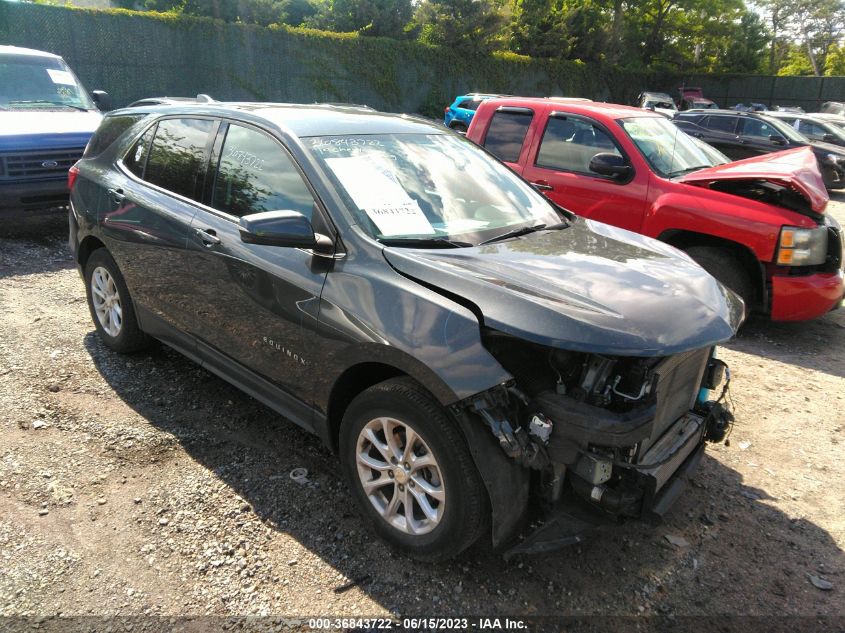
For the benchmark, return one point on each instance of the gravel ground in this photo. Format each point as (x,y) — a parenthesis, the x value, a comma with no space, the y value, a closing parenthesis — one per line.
(145,485)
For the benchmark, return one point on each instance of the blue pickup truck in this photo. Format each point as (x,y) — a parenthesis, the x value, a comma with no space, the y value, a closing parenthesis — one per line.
(46,119)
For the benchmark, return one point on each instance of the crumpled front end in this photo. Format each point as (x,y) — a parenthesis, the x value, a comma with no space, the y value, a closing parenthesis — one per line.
(615,435)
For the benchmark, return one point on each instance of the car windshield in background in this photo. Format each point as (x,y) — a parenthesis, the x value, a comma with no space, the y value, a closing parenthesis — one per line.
(666,105)
(669,150)
(38,83)
(434,187)
(787,130)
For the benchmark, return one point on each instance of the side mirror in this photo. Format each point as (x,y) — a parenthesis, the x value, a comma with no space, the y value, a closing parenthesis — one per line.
(102,100)
(613,165)
(777,140)
(282,228)
(829,138)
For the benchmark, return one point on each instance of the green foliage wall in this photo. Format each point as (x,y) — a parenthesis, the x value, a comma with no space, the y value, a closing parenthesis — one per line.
(134,55)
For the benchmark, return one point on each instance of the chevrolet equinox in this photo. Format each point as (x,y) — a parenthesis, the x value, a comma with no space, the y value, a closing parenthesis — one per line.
(459,340)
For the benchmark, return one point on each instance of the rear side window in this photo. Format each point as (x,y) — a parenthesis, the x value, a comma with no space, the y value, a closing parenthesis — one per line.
(506,134)
(136,158)
(178,155)
(725,124)
(570,144)
(470,104)
(759,129)
(255,174)
(110,128)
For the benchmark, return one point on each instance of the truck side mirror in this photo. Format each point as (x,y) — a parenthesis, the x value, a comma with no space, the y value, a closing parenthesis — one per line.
(612,165)
(102,100)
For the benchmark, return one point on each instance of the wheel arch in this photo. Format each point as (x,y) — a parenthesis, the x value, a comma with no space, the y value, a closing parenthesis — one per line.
(684,239)
(88,245)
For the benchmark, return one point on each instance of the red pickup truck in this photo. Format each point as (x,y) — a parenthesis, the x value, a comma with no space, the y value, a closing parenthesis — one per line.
(757,225)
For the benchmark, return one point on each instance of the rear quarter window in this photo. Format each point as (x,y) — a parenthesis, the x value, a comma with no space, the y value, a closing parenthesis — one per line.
(506,134)
(110,129)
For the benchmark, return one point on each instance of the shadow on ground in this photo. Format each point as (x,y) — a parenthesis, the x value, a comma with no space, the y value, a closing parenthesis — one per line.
(45,233)
(744,555)
(815,344)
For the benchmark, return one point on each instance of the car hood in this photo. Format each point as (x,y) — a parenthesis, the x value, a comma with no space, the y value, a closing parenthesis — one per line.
(796,169)
(23,130)
(590,287)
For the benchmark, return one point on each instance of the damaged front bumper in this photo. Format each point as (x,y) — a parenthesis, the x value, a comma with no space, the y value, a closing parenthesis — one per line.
(592,464)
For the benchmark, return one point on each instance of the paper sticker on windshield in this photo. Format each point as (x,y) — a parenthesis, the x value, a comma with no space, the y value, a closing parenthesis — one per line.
(62,77)
(406,219)
(369,183)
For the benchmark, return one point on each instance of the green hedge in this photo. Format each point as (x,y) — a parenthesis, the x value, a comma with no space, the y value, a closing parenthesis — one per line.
(134,55)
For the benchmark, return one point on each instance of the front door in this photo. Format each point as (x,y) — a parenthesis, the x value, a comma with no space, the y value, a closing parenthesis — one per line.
(255,305)
(559,164)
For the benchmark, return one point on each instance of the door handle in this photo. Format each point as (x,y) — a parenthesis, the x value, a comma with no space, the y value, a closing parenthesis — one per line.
(542,185)
(208,237)
(117,196)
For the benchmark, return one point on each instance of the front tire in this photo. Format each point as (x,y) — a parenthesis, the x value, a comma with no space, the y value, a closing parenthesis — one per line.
(726,268)
(411,472)
(111,306)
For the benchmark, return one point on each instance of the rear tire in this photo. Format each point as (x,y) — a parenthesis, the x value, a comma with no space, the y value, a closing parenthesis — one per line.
(111,306)
(726,268)
(447,504)
(459,127)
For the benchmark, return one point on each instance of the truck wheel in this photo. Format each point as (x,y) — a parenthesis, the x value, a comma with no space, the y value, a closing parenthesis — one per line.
(110,304)
(410,471)
(726,268)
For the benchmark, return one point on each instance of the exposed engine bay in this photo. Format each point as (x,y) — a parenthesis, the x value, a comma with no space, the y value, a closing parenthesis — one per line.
(767,192)
(613,431)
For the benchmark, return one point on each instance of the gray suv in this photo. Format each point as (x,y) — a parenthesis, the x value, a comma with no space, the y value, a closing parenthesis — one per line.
(386,284)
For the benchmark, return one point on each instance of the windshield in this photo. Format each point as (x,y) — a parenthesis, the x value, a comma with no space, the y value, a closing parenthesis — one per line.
(787,130)
(428,187)
(658,103)
(669,150)
(28,82)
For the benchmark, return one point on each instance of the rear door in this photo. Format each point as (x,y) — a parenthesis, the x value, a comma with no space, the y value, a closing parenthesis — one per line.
(722,134)
(558,163)
(151,199)
(256,306)
(509,134)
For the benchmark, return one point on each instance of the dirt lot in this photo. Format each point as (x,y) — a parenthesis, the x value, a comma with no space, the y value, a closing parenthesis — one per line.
(145,485)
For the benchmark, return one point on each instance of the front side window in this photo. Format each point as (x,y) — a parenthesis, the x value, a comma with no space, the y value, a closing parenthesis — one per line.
(35,82)
(507,134)
(255,174)
(428,186)
(570,144)
(669,150)
(178,155)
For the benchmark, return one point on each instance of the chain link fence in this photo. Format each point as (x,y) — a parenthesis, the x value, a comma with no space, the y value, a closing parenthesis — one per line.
(137,55)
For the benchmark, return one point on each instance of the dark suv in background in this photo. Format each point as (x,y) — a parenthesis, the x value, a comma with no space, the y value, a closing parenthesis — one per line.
(741,135)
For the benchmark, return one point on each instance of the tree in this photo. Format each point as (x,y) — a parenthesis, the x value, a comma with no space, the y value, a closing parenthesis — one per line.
(816,24)
(746,49)
(471,26)
(386,18)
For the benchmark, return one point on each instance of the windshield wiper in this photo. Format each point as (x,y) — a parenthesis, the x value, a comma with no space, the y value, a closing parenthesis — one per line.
(56,103)
(424,242)
(681,172)
(525,230)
